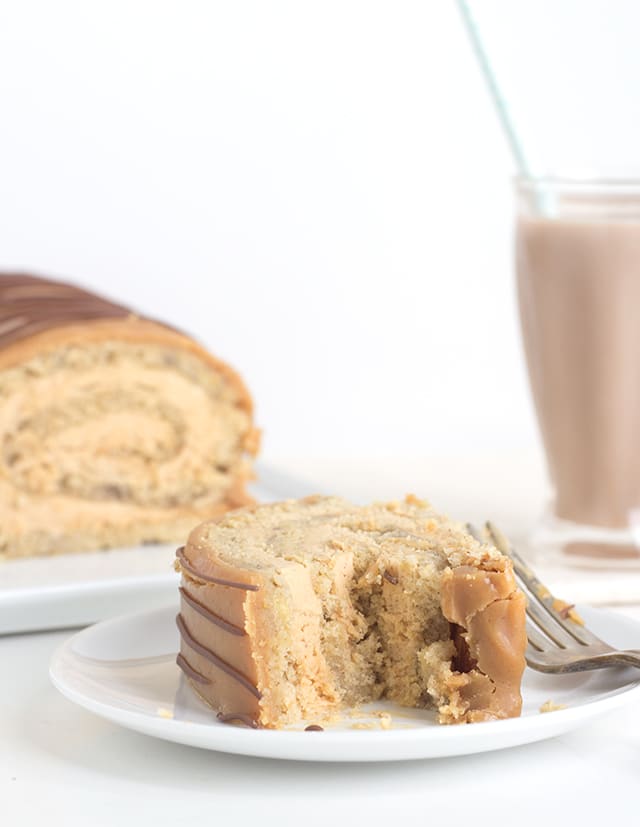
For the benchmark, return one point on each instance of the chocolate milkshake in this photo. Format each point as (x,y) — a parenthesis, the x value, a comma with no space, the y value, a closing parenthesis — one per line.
(578,270)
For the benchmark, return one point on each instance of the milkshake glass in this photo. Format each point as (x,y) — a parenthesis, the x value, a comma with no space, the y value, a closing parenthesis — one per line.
(578,278)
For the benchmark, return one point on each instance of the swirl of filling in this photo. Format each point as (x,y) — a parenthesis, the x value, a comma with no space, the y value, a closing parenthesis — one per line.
(121,422)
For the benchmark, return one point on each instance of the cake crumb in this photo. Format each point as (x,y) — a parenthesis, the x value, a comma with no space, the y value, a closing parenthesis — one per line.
(573,615)
(411,499)
(163,712)
(550,706)
(385,720)
(567,610)
(362,725)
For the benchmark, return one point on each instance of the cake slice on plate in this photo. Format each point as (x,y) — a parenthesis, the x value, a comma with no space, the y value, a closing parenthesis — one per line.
(294,610)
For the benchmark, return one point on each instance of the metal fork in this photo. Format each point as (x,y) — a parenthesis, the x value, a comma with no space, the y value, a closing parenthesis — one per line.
(558,639)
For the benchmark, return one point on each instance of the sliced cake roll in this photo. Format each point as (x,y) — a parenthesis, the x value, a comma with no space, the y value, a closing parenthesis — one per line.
(115,430)
(293,610)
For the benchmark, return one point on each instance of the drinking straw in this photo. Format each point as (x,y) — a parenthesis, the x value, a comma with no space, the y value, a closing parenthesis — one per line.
(496,96)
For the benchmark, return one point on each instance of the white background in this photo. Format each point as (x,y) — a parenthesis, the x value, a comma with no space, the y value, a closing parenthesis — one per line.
(319,191)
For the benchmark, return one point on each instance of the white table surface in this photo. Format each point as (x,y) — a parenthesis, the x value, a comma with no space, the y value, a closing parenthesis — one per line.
(62,765)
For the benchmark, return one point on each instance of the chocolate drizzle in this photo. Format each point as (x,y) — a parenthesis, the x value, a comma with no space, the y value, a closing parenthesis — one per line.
(314,728)
(391,578)
(214,618)
(207,578)
(189,671)
(229,717)
(30,305)
(215,659)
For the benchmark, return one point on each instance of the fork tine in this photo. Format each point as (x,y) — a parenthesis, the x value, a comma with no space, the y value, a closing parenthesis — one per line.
(537,641)
(541,609)
(554,646)
(550,627)
(543,630)
(540,593)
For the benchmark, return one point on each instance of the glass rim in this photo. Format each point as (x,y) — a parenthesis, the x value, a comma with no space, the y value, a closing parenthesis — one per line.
(576,184)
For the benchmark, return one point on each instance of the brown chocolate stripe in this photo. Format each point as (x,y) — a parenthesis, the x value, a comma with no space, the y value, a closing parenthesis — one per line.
(189,671)
(227,717)
(214,618)
(29,305)
(215,660)
(206,578)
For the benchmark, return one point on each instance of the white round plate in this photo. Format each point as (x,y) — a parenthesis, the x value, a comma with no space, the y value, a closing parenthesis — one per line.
(125,671)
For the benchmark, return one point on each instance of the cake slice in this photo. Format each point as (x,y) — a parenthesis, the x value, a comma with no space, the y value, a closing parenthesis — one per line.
(293,610)
(114,429)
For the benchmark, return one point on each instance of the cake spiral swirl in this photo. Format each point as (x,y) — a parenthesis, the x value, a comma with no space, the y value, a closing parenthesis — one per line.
(114,429)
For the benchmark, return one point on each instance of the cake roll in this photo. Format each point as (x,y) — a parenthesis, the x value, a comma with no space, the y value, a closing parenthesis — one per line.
(292,611)
(116,430)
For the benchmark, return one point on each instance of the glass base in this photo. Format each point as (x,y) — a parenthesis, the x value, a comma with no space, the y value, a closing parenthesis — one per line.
(561,542)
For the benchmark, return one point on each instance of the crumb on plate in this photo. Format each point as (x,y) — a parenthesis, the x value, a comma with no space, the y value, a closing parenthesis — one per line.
(550,706)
